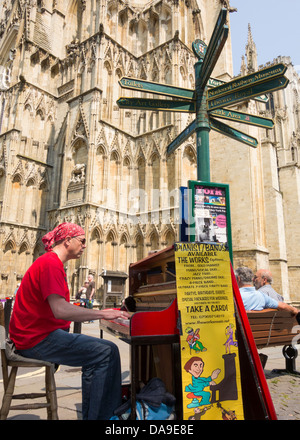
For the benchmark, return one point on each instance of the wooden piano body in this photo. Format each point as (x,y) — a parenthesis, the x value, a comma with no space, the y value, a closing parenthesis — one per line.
(153,335)
(152,331)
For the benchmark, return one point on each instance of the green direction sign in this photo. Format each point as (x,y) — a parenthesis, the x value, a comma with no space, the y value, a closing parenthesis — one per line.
(247,93)
(213,82)
(152,87)
(210,62)
(244,118)
(232,132)
(244,82)
(157,104)
(262,98)
(183,136)
(215,37)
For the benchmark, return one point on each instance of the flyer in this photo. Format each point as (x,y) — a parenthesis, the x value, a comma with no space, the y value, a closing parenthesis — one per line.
(210,214)
(210,368)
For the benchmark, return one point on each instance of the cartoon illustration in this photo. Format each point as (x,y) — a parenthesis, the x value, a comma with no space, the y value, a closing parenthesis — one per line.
(230,341)
(199,412)
(195,390)
(193,339)
(227,414)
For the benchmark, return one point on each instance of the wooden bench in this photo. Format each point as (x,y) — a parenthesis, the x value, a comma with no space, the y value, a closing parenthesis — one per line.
(272,328)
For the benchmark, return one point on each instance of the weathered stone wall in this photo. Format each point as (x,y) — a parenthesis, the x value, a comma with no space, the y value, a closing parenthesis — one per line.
(68,153)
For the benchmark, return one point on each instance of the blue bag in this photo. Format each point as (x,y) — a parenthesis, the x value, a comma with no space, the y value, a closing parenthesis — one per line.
(153,402)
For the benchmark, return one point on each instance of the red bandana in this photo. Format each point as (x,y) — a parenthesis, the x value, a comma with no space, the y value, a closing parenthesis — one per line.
(60,232)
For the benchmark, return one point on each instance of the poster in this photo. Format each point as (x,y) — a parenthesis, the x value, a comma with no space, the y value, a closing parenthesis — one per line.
(210,213)
(210,366)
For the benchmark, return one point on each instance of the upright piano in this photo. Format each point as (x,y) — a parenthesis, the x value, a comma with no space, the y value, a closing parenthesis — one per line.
(152,331)
(153,334)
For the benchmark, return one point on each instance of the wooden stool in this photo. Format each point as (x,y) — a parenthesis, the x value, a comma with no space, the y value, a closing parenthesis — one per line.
(11,359)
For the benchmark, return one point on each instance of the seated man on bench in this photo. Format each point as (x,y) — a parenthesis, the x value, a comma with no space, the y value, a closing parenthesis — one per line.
(254,299)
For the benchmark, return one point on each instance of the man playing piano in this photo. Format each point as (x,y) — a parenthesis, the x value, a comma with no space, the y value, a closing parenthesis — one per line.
(41,318)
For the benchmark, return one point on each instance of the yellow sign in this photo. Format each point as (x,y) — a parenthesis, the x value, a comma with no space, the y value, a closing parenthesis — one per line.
(210,367)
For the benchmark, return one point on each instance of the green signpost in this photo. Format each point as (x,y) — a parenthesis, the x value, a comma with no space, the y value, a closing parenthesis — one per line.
(232,132)
(247,92)
(243,118)
(213,82)
(153,87)
(210,96)
(245,82)
(211,58)
(183,136)
(157,104)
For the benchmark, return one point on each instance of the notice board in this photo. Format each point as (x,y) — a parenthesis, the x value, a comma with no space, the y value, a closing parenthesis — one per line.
(210,367)
(222,377)
(209,213)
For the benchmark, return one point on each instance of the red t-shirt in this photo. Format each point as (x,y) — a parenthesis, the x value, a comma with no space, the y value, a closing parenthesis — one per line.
(32,318)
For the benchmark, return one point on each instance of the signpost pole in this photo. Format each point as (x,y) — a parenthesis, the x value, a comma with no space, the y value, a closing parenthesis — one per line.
(202,128)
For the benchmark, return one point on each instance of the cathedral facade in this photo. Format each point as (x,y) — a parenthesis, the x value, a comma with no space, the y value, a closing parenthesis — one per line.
(69,153)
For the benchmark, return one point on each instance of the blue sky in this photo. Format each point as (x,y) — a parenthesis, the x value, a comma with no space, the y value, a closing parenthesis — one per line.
(275,30)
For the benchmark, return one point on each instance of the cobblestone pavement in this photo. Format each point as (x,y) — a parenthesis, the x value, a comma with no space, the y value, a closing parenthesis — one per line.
(285,393)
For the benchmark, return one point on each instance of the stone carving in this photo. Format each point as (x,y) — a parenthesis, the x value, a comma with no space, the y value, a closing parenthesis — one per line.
(78,173)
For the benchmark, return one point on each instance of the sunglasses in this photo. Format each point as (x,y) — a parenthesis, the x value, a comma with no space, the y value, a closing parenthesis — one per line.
(82,240)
